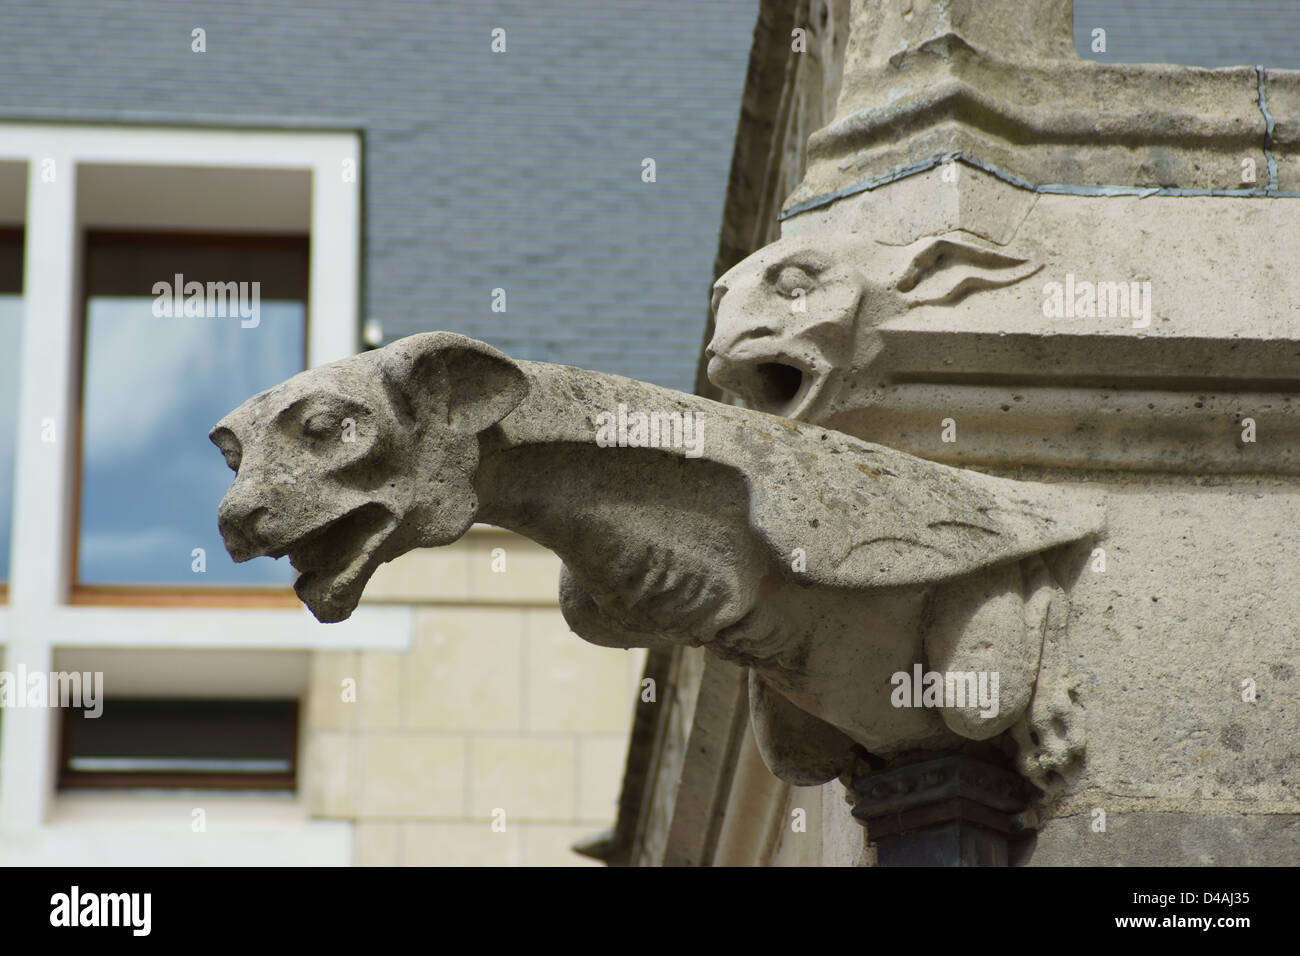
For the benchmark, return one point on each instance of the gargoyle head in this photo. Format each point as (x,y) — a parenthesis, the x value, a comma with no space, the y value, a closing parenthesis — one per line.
(806,307)
(349,465)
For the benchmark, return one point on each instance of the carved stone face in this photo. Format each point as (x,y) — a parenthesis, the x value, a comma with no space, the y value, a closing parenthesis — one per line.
(799,313)
(344,467)
(784,318)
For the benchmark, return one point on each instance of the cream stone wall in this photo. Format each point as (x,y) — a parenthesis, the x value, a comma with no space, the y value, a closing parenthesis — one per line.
(496,707)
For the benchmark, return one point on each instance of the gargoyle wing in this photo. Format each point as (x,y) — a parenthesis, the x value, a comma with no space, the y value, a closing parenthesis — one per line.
(866,516)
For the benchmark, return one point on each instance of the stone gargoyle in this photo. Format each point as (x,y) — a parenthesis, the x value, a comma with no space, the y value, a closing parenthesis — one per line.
(797,330)
(825,564)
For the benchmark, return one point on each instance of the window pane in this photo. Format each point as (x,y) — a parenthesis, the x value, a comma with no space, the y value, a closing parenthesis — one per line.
(182,743)
(153,386)
(11,318)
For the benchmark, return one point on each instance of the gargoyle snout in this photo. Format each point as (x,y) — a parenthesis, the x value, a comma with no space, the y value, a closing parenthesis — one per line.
(749,357)
(738,340)
(238,519)
(729,337)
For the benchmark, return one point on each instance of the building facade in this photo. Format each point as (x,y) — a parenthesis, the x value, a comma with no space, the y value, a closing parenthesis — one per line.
(196,205)
(915,116)
(381,172)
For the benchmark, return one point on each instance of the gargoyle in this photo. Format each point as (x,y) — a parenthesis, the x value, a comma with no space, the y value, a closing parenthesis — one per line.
(798,319)
(825,564)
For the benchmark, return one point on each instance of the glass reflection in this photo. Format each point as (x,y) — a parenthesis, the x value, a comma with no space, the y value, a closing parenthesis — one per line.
(150,479)
(11,318)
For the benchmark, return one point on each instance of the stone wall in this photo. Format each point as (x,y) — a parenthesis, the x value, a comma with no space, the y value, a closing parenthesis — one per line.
(495,706)
(1181,647)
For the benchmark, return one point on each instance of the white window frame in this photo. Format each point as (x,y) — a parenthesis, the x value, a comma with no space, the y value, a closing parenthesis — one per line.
(38,618)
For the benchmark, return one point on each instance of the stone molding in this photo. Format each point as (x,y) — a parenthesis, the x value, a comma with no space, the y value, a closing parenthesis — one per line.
(1005,90)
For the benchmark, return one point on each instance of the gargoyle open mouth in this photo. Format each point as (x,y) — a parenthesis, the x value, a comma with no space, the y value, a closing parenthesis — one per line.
(778,385)
(335,561)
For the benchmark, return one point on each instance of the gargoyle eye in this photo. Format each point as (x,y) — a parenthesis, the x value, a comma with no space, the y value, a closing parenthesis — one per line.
(323,425)
(792,279)
(719,290)
(229,447)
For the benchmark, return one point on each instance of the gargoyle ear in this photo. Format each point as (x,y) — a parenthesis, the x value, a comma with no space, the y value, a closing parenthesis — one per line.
(464,382)
(945,271)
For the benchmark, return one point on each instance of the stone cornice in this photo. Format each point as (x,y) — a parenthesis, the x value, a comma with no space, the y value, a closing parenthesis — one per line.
(1057,122)
(1083,429)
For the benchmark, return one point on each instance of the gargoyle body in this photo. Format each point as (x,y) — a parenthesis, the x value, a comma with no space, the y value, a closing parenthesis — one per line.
(825,564)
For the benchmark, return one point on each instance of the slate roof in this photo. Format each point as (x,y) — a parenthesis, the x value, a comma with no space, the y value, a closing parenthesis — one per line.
(519,170)
(1192,32)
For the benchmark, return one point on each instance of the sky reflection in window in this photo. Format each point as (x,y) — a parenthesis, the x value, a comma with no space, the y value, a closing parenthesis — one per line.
(11,319)
(150,479)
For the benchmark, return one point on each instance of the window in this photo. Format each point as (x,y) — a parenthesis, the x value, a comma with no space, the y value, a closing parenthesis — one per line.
(213,204)
(181,744)
(179,330)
